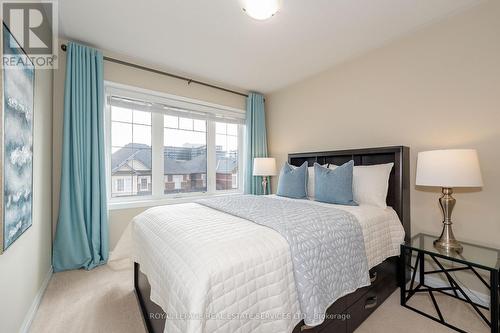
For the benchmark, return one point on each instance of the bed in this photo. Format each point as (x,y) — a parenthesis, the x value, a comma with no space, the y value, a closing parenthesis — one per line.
(191,260)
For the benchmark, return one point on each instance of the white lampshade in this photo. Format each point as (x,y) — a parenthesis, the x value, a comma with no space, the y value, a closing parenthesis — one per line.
(264,166)
(449,168)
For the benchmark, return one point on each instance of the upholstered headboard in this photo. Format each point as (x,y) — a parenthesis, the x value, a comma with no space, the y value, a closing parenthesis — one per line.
(398,195)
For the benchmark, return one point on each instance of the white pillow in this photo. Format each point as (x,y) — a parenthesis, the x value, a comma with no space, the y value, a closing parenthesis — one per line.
(310,181)
(370,184)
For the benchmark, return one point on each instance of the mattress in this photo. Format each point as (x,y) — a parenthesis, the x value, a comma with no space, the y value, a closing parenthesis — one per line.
(215,272)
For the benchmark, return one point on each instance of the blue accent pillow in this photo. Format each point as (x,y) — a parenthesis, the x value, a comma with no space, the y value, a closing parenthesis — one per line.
(293,181)
(334,185)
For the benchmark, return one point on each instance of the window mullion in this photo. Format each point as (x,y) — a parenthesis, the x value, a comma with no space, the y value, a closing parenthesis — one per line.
(158,183)
(211,160)
(241,158)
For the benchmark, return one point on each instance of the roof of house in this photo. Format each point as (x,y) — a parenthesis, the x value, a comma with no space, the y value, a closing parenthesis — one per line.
(142,153)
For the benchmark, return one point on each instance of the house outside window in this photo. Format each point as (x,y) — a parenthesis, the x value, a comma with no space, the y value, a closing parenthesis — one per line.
(164,146)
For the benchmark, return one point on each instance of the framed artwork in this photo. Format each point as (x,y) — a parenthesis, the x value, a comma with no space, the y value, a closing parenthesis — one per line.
(16,158)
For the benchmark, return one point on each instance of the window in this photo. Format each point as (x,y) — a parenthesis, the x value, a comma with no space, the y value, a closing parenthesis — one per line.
(131,151)
(185,149)
(226,147)
(145,184)
(120,185)
(164,146)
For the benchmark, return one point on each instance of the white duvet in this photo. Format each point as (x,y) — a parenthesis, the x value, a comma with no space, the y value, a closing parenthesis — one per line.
(214,272)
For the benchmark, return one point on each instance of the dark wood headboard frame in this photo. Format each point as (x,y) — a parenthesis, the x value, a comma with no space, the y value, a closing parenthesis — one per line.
(398,195)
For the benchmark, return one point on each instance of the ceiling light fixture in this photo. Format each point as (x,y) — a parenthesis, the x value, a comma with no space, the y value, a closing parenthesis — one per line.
(260,9)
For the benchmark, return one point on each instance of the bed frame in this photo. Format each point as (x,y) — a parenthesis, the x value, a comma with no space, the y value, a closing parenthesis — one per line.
(347,313)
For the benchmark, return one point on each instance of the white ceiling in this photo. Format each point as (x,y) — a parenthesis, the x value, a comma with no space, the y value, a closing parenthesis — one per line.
(214,40)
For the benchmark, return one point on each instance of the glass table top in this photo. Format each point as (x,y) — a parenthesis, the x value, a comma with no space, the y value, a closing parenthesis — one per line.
(476,255)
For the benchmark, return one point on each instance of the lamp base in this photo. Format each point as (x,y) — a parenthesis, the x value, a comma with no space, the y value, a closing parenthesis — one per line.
(447,240)
(264,185)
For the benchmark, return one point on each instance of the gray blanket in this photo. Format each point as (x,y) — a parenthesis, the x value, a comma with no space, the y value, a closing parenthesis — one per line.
(326,244)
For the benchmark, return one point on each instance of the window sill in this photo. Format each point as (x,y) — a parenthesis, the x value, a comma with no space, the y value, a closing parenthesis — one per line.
(152,202)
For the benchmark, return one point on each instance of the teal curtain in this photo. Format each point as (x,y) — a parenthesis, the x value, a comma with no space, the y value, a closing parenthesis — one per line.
(256,141)
(81,239)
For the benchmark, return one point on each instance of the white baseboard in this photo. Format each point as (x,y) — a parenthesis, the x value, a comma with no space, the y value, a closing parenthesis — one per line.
(28,319)
(475,296)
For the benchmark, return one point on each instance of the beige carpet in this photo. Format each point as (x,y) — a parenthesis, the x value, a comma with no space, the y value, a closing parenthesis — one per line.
(103,300)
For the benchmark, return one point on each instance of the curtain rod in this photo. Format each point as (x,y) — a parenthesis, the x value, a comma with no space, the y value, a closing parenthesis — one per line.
(152,70)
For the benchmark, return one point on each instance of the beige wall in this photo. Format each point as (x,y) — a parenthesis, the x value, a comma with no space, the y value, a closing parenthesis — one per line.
(118,219)
(438,88)
(25,265)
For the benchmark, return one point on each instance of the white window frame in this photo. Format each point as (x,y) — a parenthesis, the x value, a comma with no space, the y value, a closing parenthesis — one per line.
(157,132)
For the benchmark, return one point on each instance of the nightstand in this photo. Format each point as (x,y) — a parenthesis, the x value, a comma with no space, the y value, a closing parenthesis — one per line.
(474,259)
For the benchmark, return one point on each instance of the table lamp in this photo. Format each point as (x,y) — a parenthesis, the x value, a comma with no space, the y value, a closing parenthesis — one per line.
(448,169)
(265,167)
